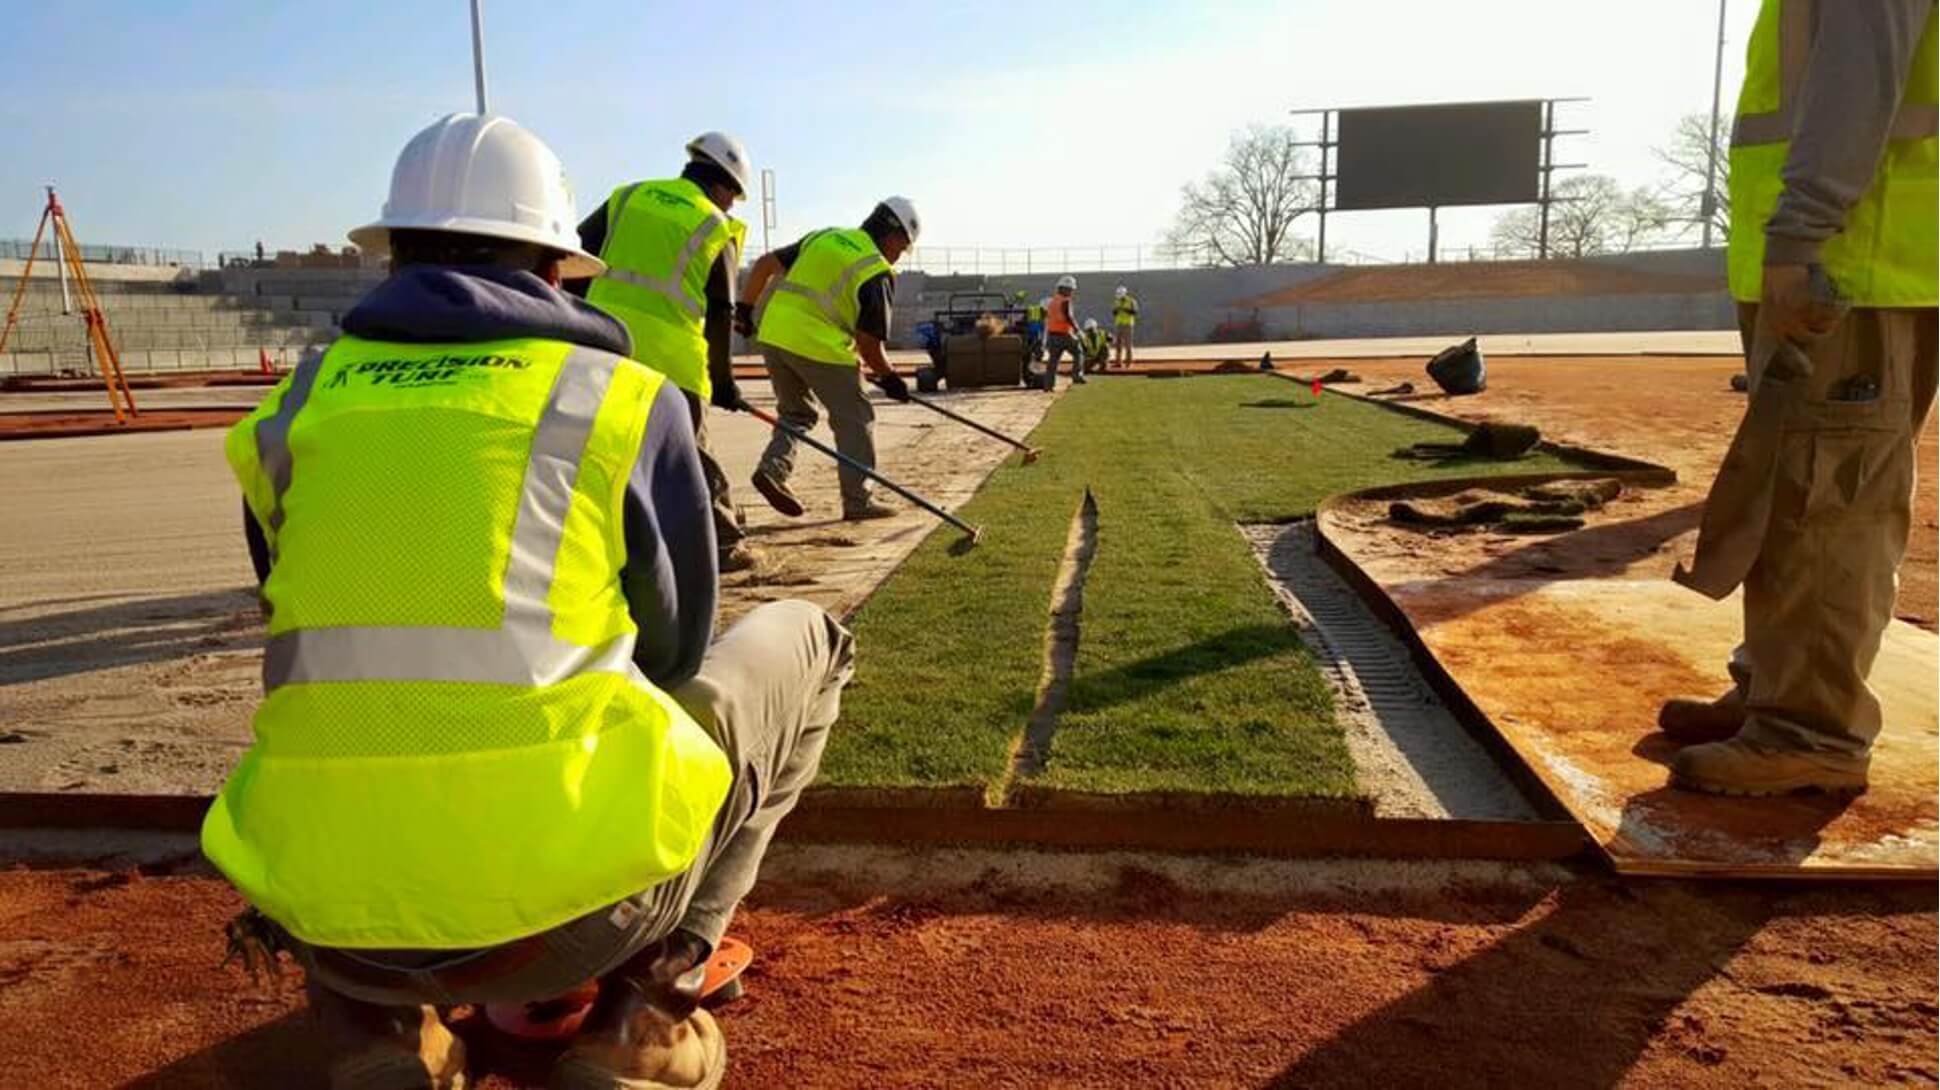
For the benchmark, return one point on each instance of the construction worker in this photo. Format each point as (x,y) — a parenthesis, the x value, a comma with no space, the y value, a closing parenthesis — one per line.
(1034,326)
(672,254)
(1061,334)
(829,306)
(498,755)
(1124,317)
(1832,259)
(1097,346)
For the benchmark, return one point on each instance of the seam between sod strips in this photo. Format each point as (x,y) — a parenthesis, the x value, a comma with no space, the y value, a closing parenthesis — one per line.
(1031,751)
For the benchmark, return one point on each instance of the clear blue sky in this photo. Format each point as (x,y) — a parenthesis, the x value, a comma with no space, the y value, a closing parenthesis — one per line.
(208,125)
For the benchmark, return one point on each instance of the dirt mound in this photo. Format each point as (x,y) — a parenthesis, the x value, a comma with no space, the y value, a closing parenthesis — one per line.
(1482,280)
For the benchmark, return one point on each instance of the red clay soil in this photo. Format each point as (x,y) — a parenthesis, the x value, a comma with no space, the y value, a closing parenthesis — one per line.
(172,380)
(111,980)
(1481,280)
(1677,411)
(63,425)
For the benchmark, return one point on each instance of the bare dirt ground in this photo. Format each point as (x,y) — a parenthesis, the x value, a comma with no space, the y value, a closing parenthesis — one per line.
(129,629)
(1675,411)
(948,969)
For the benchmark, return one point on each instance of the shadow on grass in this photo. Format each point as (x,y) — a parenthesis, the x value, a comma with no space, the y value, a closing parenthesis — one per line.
(1279,403)
(1134,681)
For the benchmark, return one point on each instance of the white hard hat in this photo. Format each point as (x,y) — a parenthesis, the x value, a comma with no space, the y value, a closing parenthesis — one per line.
(482,175)
(726,152)
(1068,281)
(905,214)
(1121,292)
(1091,323)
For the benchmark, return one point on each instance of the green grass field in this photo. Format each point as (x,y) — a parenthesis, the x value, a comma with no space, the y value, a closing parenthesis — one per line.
(1189,677)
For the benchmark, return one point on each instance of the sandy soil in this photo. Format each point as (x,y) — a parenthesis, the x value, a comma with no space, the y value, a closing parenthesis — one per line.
(1675,411)
(1408,283)
(128,625)
(1002,970)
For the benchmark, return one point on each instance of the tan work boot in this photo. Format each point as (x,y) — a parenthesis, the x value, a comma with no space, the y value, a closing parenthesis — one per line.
(1742,767)
(776,492)
(1692,722)
(867,510)
(648,1031)
(742,557)
(387,1048)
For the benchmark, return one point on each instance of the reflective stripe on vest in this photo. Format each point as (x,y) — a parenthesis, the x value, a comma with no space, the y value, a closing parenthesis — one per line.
(1886,254)
(662,241)
(812,310)
(453,729)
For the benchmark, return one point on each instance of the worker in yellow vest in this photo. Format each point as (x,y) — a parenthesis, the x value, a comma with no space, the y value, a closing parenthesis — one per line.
(672,255)
(1833,261)
(1097,346)
(817,308)
(1124,319)
(498,754)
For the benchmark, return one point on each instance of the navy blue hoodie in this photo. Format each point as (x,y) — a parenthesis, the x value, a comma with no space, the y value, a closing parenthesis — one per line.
(670,579)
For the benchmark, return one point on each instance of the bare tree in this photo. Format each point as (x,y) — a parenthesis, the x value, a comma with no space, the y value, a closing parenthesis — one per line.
(1689,155)
(1593,215)
(1242,212)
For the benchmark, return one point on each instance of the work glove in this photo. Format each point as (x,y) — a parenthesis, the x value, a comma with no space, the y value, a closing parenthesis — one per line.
(1799,303)
(893,385)
(744,319)
(727,395)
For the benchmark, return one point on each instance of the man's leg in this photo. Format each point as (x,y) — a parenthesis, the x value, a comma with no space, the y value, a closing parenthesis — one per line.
(1821,594)
(768,691)
(794,405)
(852,417)
(728,534)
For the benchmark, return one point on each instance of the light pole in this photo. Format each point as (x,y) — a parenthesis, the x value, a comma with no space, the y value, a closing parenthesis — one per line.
(478,53)
(1708,207)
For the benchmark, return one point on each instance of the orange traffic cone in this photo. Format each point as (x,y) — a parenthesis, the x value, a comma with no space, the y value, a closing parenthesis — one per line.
(262,361)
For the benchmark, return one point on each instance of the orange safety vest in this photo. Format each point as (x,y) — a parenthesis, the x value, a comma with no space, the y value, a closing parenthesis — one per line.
(1059,320)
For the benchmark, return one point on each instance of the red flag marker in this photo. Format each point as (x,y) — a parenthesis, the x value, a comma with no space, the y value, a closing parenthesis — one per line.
(1316,387)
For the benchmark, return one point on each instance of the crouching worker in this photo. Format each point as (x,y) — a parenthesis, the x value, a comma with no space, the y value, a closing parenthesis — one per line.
(498,755)
(1097,346)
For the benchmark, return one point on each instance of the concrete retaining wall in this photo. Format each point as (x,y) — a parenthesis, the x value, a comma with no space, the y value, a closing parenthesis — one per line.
(1183,306)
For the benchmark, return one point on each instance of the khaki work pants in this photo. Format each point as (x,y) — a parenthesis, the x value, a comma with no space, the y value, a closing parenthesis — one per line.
(727,514)
(1820,594)
(768,691)
(800,383)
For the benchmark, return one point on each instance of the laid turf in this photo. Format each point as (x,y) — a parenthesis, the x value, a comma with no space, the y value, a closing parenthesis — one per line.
(1188,676)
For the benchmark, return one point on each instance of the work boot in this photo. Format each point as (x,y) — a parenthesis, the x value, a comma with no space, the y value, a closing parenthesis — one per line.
(1744,767)
(867,510)
(386,1048)
(740,557)
(1693,722)
(775,491)
(648,1031)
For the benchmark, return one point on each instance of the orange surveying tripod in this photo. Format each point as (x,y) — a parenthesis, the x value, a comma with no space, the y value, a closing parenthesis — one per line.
(67,255)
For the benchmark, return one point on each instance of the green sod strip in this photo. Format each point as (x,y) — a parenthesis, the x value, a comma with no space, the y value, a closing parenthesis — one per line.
(1188,678)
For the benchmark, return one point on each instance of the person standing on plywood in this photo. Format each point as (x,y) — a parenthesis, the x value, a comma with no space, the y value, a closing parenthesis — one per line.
(1833,261)
(822,306)
(500,754)
(672,254)
(1061,335)
(1124,318)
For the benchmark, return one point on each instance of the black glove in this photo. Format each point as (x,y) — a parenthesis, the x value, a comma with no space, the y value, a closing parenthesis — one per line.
(727,395)
(893,385)
(744,319)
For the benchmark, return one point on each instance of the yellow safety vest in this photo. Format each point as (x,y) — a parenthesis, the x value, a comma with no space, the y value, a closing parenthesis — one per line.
(1034,312)
(1886,256)
(813,309)
(662,239)
(1124,311)
(454,748)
